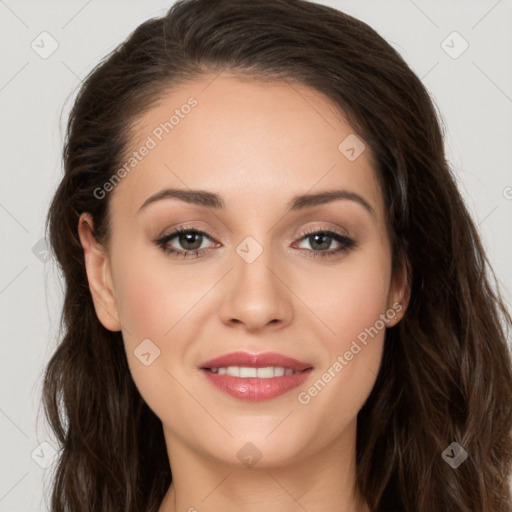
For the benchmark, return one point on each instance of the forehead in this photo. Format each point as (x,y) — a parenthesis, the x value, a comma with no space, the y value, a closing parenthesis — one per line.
(245,140)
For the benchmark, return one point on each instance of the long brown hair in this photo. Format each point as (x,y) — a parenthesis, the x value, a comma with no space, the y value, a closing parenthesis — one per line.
(446,374)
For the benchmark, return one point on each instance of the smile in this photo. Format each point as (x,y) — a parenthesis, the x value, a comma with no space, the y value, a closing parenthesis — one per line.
(255,377)
(245,372)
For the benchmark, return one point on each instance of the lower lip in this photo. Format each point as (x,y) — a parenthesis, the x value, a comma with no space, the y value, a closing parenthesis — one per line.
(256,389)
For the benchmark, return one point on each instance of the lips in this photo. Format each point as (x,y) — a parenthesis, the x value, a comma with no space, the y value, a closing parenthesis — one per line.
(256,388)
(255,361)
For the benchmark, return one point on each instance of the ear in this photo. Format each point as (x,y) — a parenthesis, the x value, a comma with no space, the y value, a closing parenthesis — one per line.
(99,276)
(400,292)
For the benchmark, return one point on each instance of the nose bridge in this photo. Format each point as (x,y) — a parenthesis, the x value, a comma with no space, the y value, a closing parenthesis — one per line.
(256,295)
(253,263)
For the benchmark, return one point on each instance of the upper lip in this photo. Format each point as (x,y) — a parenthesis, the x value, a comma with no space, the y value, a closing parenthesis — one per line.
(255,361)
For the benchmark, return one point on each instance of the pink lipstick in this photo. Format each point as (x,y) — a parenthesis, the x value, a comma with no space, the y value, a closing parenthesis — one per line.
(255,376)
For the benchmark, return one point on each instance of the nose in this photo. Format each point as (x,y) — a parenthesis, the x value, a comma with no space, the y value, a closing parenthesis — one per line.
(255,295)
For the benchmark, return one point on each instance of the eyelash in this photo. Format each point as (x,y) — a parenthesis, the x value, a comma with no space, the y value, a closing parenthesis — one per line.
(346,243)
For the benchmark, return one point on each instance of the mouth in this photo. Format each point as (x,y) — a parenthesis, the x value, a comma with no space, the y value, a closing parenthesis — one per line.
(246,372)
(255,376)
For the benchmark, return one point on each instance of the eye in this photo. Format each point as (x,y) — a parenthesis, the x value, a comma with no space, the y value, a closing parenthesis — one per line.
(321,242)
(191,241)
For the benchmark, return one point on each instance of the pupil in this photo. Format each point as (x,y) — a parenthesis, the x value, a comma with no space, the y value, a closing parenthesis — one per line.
(321,245)
(187,238)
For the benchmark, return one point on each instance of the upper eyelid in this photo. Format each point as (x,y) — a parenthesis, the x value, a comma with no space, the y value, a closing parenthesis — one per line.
(176,231)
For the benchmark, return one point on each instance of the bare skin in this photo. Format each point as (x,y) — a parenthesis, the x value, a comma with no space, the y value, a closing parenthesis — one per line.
(257,146)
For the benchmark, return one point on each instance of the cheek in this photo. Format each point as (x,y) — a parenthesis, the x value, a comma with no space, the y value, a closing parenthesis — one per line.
(350,301)
(157,300)
(152,305)
(351,296)
(142,303)
(153,295)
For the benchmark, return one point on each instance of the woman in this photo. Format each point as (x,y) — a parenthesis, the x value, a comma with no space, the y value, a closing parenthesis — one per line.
(276,298)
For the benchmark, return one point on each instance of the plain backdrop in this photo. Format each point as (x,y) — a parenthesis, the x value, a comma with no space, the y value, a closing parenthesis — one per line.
(472,90)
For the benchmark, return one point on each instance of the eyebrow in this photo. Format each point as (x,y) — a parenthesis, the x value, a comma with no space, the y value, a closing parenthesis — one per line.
(301,202)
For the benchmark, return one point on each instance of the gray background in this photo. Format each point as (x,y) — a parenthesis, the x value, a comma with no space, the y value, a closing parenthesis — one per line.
(473,92)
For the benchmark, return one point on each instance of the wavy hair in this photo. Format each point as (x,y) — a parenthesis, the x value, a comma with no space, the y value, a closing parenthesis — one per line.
(446,373)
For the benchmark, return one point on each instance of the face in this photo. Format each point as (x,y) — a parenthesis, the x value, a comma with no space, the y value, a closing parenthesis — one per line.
(287,253)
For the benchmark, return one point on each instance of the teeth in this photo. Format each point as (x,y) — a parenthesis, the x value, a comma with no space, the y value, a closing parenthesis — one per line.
(234,371)
(245,372)
(248,372)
